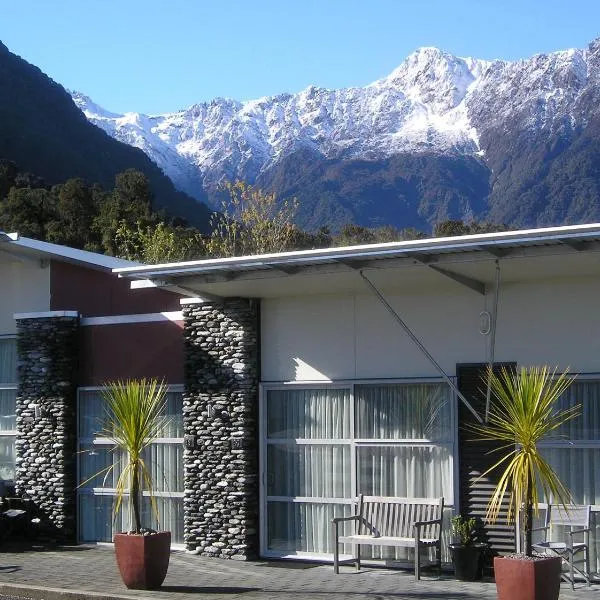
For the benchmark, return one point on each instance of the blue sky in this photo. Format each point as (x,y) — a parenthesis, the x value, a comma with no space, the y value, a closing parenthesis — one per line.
(158,56)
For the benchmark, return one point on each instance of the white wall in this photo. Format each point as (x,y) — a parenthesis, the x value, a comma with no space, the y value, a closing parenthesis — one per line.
(24,287)
(333,337)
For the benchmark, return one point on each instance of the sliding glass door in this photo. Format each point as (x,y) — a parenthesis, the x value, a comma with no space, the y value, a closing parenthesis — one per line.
(574,452)
(324,445)
(97,492)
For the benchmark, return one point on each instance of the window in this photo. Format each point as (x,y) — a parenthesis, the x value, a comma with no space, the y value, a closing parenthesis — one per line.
(8,396)
(97,495)
(574,452)
(325,445)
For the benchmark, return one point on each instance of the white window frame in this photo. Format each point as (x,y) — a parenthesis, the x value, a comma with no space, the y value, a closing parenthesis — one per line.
(105,442)
(350,385)
(15,387)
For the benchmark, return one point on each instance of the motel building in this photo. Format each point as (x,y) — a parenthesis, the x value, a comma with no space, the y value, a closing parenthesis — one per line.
(296,380)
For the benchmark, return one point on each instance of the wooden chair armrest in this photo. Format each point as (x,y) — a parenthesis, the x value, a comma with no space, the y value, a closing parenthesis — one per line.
(341,519)
(430,522)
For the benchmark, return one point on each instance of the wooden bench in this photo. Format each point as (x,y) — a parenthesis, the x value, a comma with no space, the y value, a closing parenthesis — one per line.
(388,521)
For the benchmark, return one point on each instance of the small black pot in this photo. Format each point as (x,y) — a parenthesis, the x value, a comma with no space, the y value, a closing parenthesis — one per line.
(468,561)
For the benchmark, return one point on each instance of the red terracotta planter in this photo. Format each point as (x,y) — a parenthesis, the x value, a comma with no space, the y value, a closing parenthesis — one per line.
(143,560)
(519,579)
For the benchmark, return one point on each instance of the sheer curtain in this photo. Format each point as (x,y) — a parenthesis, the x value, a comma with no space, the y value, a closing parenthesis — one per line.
(324,446)
(412,456)
(8,361)
(307,466)
(8,396)
(96,496)
(574,452)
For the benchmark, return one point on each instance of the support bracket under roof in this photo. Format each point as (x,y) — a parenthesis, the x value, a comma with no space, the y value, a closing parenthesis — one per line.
(472,284)
(469,282)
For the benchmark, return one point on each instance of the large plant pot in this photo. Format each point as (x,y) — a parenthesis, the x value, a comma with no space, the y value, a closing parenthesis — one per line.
(468,561)
(143,560)
(520,578)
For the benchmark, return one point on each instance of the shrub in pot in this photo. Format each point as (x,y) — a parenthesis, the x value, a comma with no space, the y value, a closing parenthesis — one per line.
(524,411)
(467,554)
(135,417)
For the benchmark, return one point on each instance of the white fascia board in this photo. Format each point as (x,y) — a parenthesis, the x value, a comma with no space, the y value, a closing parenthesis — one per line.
(366,250)
(67,254)
(49,314)
(162,317)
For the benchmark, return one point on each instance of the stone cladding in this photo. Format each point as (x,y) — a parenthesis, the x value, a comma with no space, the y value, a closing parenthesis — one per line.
(47,350)
(220,416)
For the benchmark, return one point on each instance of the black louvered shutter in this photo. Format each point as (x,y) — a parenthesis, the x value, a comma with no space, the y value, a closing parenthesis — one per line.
(475,458)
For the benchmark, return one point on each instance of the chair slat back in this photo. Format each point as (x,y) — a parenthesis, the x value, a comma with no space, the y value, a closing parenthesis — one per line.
(390,516)
(572,515)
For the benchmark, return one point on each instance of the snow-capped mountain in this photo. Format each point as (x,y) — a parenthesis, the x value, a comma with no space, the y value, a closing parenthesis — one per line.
(420,106)
(433,103)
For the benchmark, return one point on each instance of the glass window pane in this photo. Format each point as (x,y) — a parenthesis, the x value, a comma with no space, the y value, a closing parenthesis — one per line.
(308,414)
(405,471)
(587,425)
(91,413)
(319,471)
(7,458)
(173,425)
(164,459)
(404,411)
(166,465)
(96,518)
(8,360)
(8,407)
(93,464)
(306,527)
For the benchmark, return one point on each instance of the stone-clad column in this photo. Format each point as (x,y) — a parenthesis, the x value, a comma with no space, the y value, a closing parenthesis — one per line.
(46,428)
(220,416)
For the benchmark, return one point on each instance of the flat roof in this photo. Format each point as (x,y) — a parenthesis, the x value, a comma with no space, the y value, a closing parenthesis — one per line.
(469,260)
(494,243)
(12,243)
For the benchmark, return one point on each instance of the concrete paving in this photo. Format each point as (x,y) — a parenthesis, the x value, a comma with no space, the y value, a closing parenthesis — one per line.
(90,573)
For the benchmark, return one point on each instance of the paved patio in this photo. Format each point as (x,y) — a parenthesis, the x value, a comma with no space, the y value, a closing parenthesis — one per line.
(90,572)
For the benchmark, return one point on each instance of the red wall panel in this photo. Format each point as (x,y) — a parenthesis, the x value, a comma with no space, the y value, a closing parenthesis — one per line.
(97,293)
(132,350)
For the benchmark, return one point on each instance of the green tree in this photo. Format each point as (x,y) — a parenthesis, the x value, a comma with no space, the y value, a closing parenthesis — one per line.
(27,211)
(451,228)
(158,244)
(8,174)
(523,412)
(76,210)
(129,205)
(251,222)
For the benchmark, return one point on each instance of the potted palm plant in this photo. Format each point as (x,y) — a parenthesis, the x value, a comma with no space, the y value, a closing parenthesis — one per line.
(466,552)
(135,416)
(524,411)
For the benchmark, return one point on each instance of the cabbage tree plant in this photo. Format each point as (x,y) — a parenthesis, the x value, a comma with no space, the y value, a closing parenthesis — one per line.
(134,418)
(524,411)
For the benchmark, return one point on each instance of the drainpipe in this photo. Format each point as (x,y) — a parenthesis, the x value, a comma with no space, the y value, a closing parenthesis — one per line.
(488,394)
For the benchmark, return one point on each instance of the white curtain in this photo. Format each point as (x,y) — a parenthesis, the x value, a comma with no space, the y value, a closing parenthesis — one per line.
(8,401)
(404,411)
(308,414)
(8,361)
(403,446)
(577,462)
(164,458)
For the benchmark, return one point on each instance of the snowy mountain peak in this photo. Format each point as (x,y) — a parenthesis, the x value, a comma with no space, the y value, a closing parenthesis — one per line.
(432,102)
